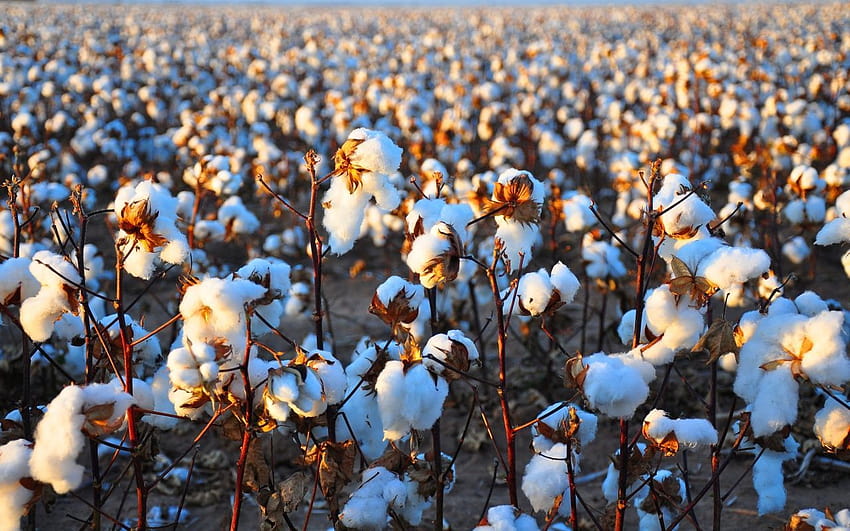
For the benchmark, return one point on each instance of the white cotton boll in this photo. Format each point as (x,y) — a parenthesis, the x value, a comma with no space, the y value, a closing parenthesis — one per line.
(835,231)
(565,282)
(832,424)
(649,521)
(626,328)
(826,362)
(577,214)
(586,431)
(14,275)
(689,432)
(534,292)
(385,194)
(661,310)
(236,217)
(518,239)
(690,212)
(160,386)
(769,482)
(425,395)
(796,250)
(391,391)
(39,313)
(810,304)
(344,213)
(612,387)
(330,373)
(731,265)
(309,402)
(14,466)
(376,153)
(362,421)
(546,478)
(426,249)
(215,308)
(427,211)
(775,403)
(440,346)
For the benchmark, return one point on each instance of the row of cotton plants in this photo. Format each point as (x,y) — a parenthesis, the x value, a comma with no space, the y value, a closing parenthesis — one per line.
(362,419)
(560,245)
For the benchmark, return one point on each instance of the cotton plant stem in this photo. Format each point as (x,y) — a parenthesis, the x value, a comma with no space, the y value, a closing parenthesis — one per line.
(89,349)
(571,479)
(437,459)
(132,413)
(247,430)
(643,260)
(510,435)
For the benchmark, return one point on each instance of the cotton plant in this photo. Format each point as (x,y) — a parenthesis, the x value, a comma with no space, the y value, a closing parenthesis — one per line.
(400,304)
(274,275)
(683,211)
(363,166)
(379,491)
(449,355)
(661,502)
(410,397)
(148,233)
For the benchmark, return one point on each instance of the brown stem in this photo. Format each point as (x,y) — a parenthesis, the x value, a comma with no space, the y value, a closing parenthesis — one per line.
(247,432)
(571,478)
(510,435)
(132,413)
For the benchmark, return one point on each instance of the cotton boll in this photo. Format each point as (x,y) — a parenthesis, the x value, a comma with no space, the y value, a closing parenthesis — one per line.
(586,431)
(826,362)
(15,275)
(39,313)
(565,282)
(391,391)
(689,432)
(768,479)
(14,466)
(775,403)
(330,373)
(832,425)
(689,212)
(160,385)
(534,291)
(732,265)
(796,250)
(429,391)
(546,478)
(611,386)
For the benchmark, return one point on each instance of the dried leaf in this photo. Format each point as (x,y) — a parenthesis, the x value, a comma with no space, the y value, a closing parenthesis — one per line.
(98,419)
(293,489)
(686,282)
(717,341)
(256,467)
(137,221)
(575,371)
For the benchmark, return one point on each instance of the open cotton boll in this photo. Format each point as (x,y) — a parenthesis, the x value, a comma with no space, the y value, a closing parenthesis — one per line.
(727,266)
(375,152)
(453,349)
(425,395)
(810,304)
(236,217)
(367,507)
(40,313)
(507,518)
(15,275)
(546,478)
(331,374)
(832,425)
(690,212)
(612,387)
(519,239)
(688,432)
(649,521)
(768,480)
(534,292)
(586,431)
(565,282)
(147,217)
(826,362)
(577,214)
(796,250)
(215,307)
(65,417)
(142,392)
(14,466)
(390,388)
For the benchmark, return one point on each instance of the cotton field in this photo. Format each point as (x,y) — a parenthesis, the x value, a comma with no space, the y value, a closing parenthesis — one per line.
(311,268)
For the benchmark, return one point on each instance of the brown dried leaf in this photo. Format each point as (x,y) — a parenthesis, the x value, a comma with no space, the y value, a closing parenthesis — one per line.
(293,489)
(137,221)
(336,468)
(98,418)
(717,341)
(256,467)
(575,371)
